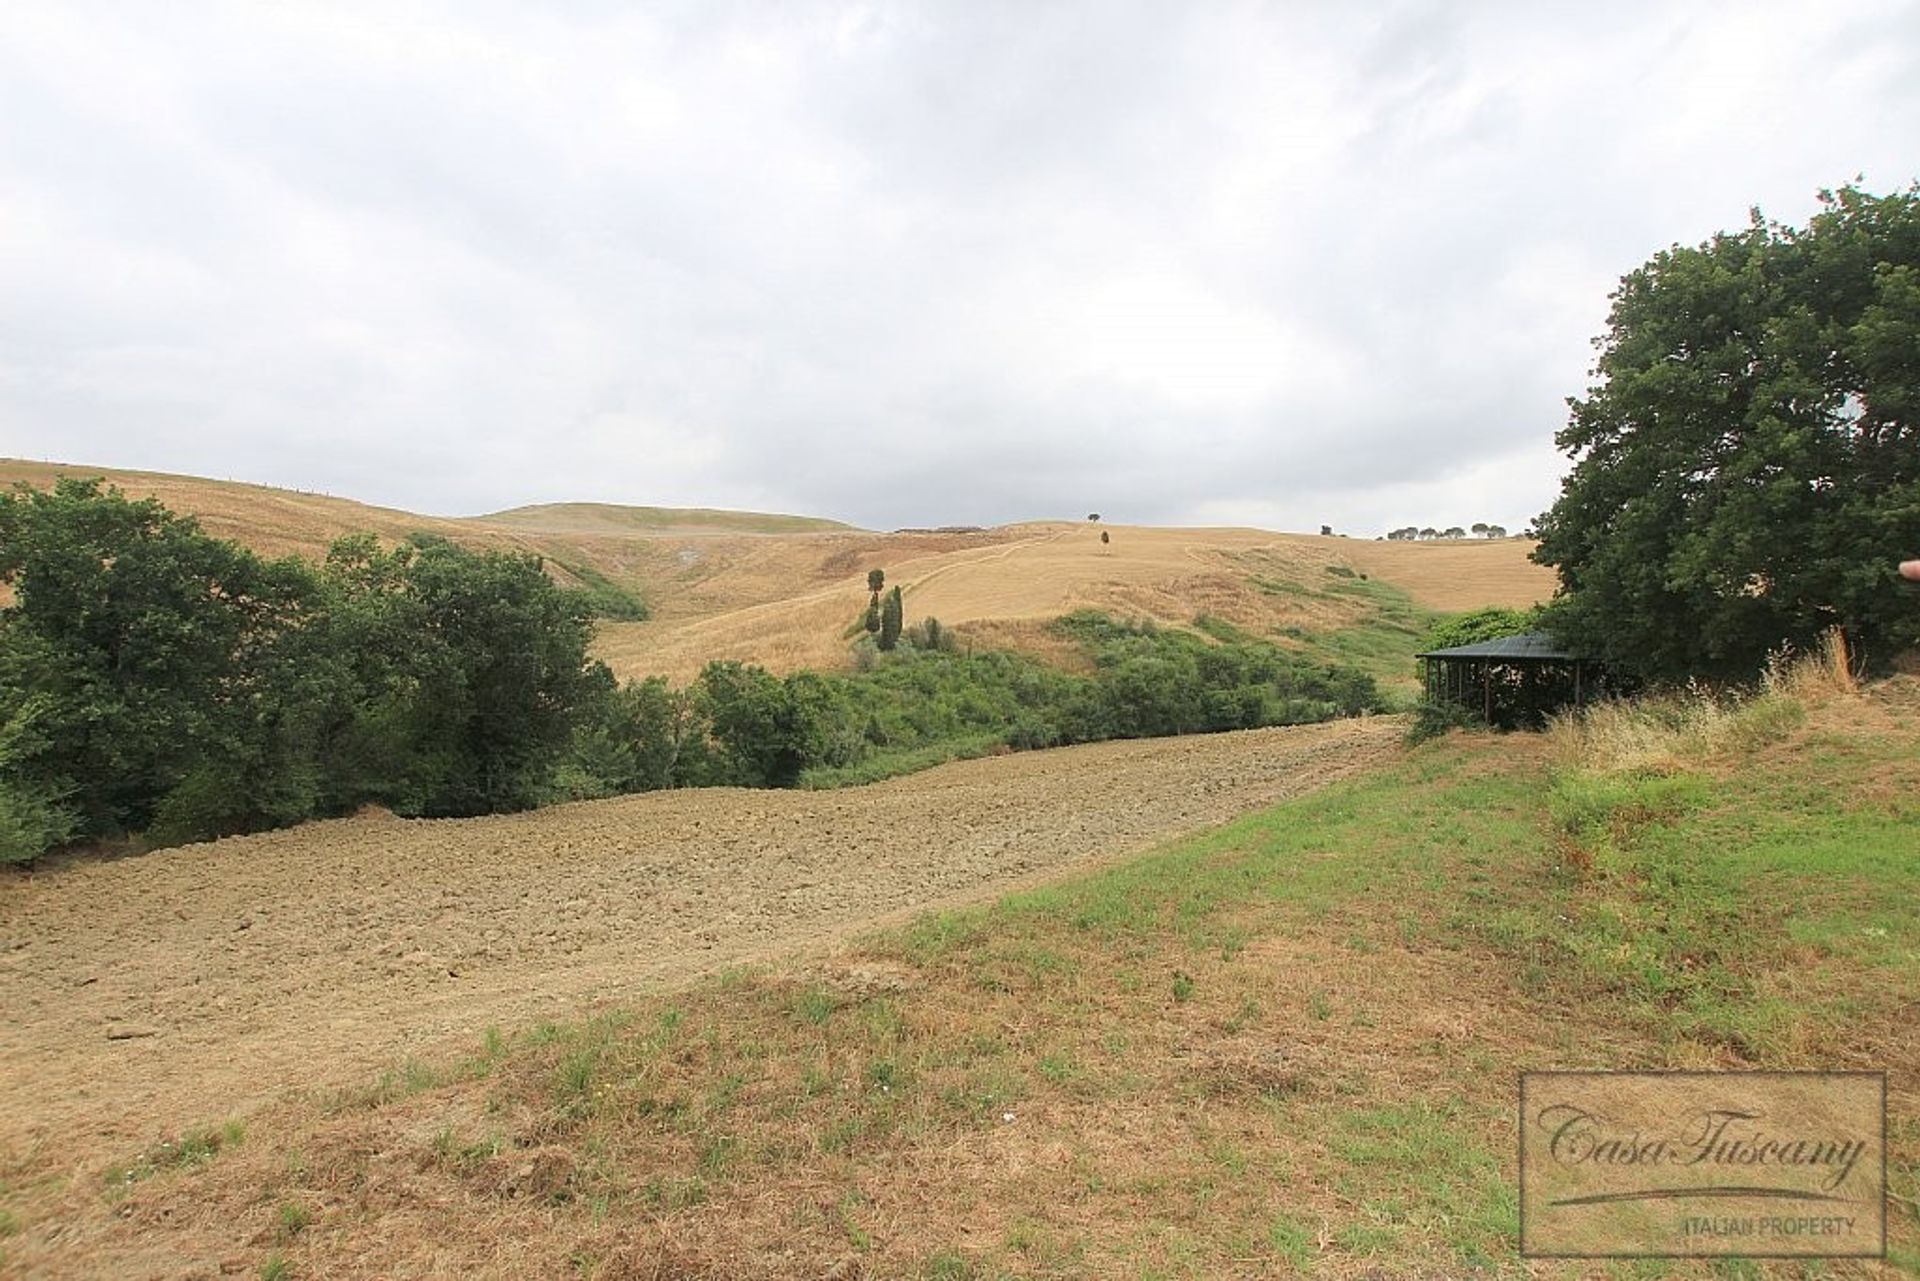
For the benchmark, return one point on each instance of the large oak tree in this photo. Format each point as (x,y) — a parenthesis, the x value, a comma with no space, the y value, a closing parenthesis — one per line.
(1746,467)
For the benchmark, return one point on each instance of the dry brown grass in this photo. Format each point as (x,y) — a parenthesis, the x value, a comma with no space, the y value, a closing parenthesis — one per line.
(1453,575)
(815,1123)
(1668,732)
(1005,584)
(784,600)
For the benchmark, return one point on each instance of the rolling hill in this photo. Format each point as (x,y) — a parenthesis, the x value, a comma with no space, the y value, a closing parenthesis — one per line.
(783,590)
(613,518)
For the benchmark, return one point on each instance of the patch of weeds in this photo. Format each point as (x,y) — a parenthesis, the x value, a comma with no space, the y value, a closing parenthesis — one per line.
(276,1268)
(936,935)
(719,1155)
(1229,1158)
(663,1193)
(949,1265)
(1605,811)
(884,1022)
(1246,1016)
(1047,1250)
(603,597)
(815,1005)
(841,1136)
(815,1081)
(466,1157)
(411,1078)
(857,1236)
(573,1079)
(292,1219)
(1182,986)
(193,1149)
(1233,940)
(1319,1006)
(725,1094)
(1429,1156)
(1290,1239)
(1366,1238)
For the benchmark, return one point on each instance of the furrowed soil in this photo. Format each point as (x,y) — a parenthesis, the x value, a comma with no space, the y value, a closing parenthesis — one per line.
(143,995)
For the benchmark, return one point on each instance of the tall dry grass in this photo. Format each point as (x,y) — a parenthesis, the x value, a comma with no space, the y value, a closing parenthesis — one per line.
(1669,732)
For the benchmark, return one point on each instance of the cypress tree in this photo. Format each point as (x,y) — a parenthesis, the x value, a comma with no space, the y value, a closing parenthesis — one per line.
(891,616)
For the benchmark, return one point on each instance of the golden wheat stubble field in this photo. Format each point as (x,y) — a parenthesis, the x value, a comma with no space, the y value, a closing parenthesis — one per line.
(783,591)
(147,994)
(1003,592)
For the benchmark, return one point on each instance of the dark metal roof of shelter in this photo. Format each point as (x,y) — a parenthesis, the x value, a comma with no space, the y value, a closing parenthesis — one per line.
(1532,647)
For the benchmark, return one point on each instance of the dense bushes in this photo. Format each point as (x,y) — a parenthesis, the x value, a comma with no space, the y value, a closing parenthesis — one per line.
(157,681)
(926,702)
(154,679)
(1151,681)
(1474,626)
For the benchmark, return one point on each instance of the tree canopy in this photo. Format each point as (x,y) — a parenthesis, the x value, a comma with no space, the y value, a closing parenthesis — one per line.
(1746,467)
(160,684)
(154,679)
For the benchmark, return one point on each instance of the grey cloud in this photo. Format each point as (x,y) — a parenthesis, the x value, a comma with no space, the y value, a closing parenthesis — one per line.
(897,263)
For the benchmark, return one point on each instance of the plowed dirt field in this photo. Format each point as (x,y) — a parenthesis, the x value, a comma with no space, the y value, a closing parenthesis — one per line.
(146,994)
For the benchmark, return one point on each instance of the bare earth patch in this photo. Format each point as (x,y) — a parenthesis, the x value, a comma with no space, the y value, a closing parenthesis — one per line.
(147,994)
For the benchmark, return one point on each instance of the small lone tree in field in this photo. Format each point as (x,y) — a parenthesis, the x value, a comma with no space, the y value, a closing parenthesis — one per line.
(892,615)
(876,582)
(1093,516)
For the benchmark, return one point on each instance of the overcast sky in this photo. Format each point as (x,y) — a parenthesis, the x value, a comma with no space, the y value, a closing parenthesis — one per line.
(900,264)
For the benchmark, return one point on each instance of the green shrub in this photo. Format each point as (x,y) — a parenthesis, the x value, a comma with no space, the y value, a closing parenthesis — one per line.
(31,823)
(155,679)
(33,816)
(1478,625)
(1432,719)
(602,597)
